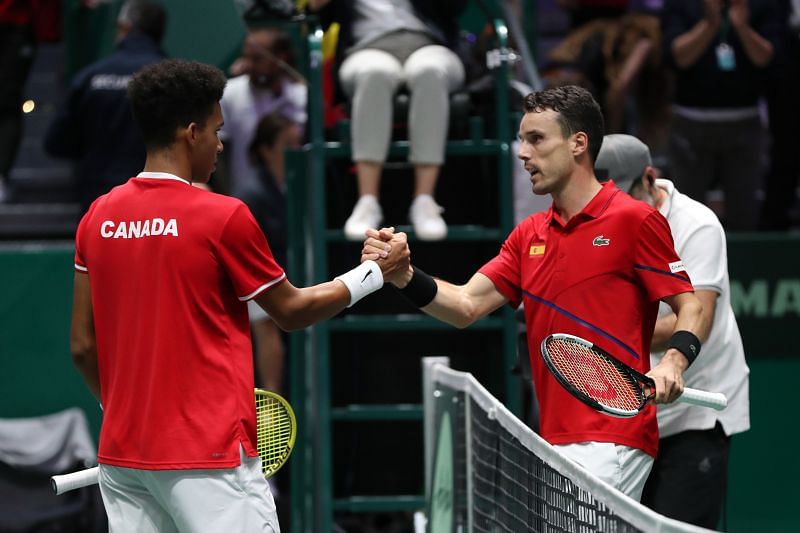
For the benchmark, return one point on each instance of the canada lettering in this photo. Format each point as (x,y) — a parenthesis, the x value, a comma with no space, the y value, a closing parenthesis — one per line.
(137,229)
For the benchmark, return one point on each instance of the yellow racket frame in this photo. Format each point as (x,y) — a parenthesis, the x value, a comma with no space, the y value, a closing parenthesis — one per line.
(276,430)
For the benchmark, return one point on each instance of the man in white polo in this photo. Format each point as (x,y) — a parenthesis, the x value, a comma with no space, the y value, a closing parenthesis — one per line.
(689,477)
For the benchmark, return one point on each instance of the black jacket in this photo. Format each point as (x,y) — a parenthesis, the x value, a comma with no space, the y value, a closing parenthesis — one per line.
(95,126)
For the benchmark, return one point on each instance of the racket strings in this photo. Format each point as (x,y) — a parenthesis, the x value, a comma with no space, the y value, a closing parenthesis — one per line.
(594,375)
(273,433)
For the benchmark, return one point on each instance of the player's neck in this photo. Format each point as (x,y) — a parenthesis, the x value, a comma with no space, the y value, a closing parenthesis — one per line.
(578,191)
(659,196)
(167,161)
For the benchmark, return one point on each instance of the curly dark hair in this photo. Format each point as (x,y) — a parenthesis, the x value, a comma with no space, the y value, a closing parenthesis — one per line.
(577,111)
(171,94)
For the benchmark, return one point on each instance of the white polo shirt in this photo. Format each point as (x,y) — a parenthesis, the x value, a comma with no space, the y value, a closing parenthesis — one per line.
(720,367)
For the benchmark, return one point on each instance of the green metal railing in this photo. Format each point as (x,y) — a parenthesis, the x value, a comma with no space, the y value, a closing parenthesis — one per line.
(313,505)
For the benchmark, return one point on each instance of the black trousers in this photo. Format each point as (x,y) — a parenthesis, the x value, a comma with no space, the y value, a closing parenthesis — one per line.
(689,479)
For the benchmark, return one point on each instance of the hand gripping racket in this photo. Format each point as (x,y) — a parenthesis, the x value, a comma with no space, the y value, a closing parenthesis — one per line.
(276,430)
(600,381)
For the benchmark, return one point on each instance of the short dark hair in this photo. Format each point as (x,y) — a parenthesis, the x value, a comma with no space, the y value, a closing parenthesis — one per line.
(171,94)
(145,16)
(577,109)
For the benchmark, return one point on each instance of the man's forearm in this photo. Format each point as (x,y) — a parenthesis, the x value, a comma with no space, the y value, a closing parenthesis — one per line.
(85,360)
(688,47)
(757,48)
(665,326)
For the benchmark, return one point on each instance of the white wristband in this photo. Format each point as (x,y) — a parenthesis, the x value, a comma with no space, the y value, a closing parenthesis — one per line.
(365,279)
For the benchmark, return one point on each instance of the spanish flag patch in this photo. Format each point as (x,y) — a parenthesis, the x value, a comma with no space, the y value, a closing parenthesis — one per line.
(536,249)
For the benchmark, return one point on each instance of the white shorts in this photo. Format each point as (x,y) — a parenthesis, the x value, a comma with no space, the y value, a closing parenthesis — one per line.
(255,311)
(622,467)
(164,501)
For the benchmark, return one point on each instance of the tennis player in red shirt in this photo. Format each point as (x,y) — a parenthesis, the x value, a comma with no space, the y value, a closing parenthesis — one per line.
(594,265)
(160,328)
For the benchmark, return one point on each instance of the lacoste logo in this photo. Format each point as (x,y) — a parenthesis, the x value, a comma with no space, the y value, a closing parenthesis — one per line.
(601,241)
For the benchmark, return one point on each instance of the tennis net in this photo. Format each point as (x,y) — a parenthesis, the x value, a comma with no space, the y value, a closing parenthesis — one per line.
(487,471)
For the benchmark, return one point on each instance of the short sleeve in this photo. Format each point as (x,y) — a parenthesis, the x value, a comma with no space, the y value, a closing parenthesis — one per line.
(81,239)
(705,256)
(505,269)
(245,255)
(656,264)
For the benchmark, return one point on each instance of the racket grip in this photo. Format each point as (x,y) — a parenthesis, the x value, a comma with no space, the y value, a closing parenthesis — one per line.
(715,400)
(74,480)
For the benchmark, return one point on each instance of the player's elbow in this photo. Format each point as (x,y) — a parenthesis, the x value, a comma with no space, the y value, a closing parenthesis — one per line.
(464,319)
(83,350)
(289,324)
(289,319)
(462,322)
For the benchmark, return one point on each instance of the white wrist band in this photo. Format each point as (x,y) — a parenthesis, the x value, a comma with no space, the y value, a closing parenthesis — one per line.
(365,279)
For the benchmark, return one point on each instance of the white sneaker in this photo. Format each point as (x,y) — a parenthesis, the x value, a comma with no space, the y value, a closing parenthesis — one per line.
(366,214)
(426,217)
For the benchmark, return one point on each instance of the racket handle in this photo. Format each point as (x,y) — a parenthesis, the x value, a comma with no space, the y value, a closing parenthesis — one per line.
(715,400)
(74,480)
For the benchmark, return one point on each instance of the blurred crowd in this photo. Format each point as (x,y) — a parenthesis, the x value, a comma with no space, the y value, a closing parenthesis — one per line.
(708,85)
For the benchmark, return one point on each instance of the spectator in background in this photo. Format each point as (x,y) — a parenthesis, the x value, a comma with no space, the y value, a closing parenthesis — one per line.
(583,11)
(780,191)
(274,134)
(719,50)
(264,82)
(17,50)
(94,126)
(620,61)
(689,477)
(384,45)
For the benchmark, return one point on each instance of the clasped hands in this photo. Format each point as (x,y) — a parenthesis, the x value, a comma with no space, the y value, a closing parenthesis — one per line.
(390,250)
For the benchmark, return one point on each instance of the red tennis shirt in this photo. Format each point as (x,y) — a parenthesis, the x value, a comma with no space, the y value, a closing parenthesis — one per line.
(170,269)
(599,276)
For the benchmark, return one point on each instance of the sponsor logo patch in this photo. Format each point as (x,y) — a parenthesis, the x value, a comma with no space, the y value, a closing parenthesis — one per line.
(601,241)
(677,266)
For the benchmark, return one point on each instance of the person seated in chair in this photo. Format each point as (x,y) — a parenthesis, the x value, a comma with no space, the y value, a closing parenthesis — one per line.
(383,46)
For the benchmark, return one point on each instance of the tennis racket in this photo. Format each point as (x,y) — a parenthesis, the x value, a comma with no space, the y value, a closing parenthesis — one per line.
(600,381)
(276,431)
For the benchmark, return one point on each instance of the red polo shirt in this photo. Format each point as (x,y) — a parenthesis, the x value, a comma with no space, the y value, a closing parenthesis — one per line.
(170,268)
(599,276)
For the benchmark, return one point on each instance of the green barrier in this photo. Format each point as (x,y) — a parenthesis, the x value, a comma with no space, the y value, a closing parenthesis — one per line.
(765,292)
(38,376)
(762,489)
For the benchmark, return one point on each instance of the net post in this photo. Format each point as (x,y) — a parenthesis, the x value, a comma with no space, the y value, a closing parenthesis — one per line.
(468,461)
(429,419)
